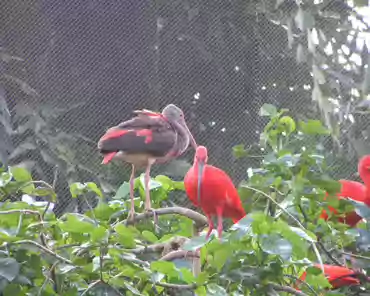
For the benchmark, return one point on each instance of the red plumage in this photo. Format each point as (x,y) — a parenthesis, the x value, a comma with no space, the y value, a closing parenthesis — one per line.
(355,191)
(218,195)
(338,276)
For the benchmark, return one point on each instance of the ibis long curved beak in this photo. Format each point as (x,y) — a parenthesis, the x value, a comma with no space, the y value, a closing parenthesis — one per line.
(200,179)
(185,128)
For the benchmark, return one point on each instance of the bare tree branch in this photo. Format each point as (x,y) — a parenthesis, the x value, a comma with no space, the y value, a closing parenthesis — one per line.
(180,254)
(174,243)
(176,286)
(286,289)
(41,247)
(199,219)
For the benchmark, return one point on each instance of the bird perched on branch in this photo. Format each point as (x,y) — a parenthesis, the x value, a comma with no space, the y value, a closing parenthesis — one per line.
(212,190)
(355,191)
(146,139)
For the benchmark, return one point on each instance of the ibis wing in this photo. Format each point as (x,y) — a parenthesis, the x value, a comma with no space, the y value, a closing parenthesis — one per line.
(142,134)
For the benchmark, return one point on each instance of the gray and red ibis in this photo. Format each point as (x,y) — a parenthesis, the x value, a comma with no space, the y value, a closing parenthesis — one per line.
(148,138)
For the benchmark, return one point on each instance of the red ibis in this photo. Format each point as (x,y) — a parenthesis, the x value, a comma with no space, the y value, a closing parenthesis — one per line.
(212,190)
(146,139)
(338,276)
(355,191)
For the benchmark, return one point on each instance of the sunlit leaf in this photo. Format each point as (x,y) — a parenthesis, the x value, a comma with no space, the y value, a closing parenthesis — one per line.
(195,243)
(268,110)
(5,178)
(122,191)
(165,267)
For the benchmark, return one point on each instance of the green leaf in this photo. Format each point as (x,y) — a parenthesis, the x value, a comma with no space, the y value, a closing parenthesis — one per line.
(9,268)
(149,236)
(195,243)
(313,127)
(5,178)
(187,275)
(20,174)
(122,191)
(214,289)
(178,185)
(92,187)
(330,186)
(220,257)
(77,189)
(288,123)
(165,267)
(239,151)
(43,191)
(268,110)
(317,281)
(126,236)
(152,183)
(165,181)
(304,234)
(200,291)
(274,244)
(103,211)
(132,289)
(99,234)
(77,224)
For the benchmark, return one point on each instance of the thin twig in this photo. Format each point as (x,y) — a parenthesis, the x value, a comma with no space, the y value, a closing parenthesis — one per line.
(41,247)
(91,286)
(159,247)
(286,289)
(321,245)
(176,286)
(354,255)
(293,218)
(199,219)
(302,282)
(47,279)
(23,212)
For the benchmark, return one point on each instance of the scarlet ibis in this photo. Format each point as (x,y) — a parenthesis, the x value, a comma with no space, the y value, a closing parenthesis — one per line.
(146,139)
(338,276)
(355,191)
(212,190)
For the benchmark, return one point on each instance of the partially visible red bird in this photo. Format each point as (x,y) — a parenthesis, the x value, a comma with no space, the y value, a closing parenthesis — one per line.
(338,276)
(149,138)
(212,190)
(355,191)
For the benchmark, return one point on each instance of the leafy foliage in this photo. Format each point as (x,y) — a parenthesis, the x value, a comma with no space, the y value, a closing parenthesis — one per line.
(101,253)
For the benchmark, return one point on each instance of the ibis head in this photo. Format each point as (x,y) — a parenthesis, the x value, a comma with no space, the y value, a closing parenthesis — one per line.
(177,119)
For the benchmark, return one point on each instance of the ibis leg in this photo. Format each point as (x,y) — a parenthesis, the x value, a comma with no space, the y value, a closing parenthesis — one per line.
(210,226)
(131,215)
(148,204)
(219,226)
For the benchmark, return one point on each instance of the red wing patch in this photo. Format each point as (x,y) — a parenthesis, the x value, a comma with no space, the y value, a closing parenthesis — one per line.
(108,157)
(147,133)
(114,133)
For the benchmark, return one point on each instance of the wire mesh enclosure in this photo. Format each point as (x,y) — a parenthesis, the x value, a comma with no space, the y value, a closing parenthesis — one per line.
(70,70)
